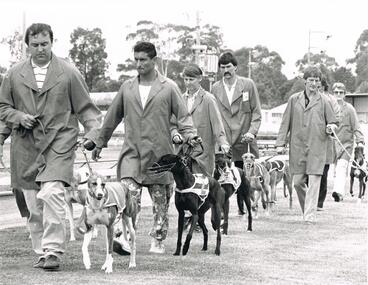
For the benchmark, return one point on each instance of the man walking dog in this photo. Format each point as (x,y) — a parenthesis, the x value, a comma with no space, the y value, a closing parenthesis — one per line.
(147,102)
(238,101)
(306,123)
(41,99)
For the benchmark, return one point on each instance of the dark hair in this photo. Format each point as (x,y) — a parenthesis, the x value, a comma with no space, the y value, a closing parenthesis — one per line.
(38,28)
(146,47)
(226,58)
(192,70)
(312,71)
(324,83)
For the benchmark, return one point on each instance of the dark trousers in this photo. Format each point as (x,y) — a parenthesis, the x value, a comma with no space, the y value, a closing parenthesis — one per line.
(323,187)
(238,199)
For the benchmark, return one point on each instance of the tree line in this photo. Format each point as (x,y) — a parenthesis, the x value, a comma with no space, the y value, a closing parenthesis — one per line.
(174,45)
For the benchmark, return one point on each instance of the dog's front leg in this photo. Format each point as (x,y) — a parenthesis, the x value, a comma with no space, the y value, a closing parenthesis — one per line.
(180,231)
(107,266)
(127,221)
(86,240)
(190,233)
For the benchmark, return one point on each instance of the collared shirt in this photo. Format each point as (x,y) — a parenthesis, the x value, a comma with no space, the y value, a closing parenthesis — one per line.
(230,91)
(144,92)
(40,73)
(189,99)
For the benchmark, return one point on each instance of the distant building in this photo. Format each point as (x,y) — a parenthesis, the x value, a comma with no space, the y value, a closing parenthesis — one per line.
(360,103)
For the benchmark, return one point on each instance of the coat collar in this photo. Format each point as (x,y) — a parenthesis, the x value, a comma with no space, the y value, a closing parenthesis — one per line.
(313,101)
(53,72)
(198,100)
(157,85)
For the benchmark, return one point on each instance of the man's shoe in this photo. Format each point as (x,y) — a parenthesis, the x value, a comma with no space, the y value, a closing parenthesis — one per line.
(320,209)
(40,263)
(52,263)
(337,196)
(121,247)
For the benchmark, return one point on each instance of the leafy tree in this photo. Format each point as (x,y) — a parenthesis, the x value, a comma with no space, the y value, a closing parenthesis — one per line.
(322,60)
(88,54)
(2,73)
(344,75)
(15,44)
(173,43)
(265,71)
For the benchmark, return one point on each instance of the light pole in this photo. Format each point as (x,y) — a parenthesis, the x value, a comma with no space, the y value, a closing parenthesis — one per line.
(309,42)
(250,63)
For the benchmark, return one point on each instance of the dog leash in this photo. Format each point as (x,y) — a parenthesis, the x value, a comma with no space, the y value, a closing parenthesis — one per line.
(85,157)
(344,149)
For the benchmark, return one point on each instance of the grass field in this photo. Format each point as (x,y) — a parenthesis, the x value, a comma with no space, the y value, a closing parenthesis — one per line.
(280,250)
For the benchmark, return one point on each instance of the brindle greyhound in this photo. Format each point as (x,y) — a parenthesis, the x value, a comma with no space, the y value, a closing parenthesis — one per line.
(279,170)
(232,182)
(259,179)
(357,171)
(186,197)
(106,203)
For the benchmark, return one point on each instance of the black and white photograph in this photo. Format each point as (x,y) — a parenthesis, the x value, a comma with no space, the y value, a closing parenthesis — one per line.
(183,142)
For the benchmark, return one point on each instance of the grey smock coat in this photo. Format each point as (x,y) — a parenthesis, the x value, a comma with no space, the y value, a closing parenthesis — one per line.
(147,130)
(46,152)
(305,130)
(241,116)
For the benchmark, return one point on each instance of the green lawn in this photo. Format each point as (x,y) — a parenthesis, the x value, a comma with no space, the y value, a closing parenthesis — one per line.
(280,250)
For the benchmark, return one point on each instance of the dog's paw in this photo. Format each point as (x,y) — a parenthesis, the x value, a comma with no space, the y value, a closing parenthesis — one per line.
(132,265)
(87,264)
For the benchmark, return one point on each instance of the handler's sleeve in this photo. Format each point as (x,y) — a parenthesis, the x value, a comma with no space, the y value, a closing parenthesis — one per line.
(216,121)
(86,111)
(285,126)
(8,113)
(354,121)
(183,118)
(255,107)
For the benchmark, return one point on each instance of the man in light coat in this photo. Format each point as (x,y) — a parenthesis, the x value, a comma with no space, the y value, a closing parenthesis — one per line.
(147,102)
(238,101)
(206,118)
(42,99)
(349,129)
(306,123)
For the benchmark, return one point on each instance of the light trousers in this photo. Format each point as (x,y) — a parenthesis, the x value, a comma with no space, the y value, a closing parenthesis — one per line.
(307,194)
(340,178)
(47,218)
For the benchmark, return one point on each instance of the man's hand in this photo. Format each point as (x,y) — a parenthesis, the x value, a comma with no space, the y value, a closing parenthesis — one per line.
(194,141)
(331,128)
(28,121)
(247,138)
(225,148)
(88,144)
(96,153)
(280,150)
(177,139)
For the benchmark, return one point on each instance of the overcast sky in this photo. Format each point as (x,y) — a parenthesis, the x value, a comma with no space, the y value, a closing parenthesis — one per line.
(282,26)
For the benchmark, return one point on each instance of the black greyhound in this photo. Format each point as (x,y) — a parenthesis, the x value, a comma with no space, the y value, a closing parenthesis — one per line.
(180,166)
(227,177)
(358,172)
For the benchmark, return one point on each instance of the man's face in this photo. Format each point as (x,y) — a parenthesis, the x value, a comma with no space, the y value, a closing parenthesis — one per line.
(339,93)
(227,70)
(39,47)
(312,84)
(192,83)
(144,63)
